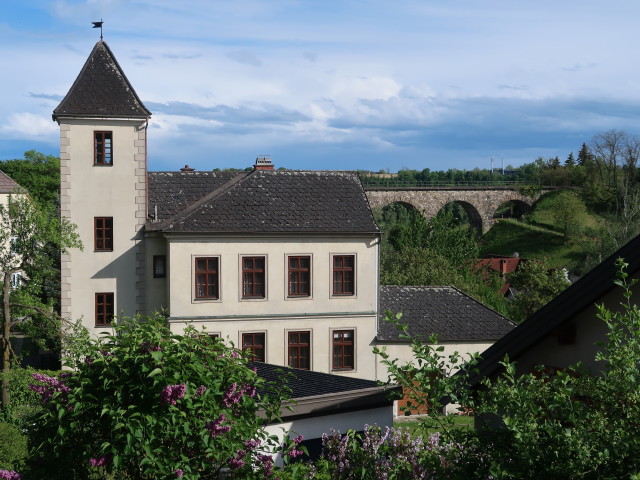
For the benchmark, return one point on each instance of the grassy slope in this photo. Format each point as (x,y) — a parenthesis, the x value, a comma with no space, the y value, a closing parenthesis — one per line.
(537,237)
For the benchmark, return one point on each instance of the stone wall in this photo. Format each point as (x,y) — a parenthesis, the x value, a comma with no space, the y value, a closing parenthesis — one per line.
(480,203)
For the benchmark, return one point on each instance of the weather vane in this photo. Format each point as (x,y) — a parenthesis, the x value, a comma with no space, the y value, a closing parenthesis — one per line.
(98,25)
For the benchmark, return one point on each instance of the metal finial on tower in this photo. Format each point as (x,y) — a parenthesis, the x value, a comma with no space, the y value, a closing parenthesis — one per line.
(98,25)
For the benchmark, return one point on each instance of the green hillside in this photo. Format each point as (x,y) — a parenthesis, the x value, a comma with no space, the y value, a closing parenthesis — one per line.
(559,230)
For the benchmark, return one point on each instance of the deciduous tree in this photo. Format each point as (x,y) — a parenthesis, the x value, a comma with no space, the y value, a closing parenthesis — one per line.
(28,234)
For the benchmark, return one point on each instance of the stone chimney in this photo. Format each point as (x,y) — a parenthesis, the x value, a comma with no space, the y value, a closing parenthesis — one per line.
(187,168)
(263,162)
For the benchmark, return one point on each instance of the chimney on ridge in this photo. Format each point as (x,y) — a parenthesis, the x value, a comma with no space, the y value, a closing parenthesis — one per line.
(263,162)
(187,168)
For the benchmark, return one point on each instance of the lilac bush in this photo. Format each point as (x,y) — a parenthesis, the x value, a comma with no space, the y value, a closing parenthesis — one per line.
(389,453)
(151,404)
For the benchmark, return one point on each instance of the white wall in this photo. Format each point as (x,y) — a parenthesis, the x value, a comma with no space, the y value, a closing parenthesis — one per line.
(314,427)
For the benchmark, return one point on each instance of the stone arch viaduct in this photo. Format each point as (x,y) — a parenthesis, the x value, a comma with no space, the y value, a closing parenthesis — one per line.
(480,203)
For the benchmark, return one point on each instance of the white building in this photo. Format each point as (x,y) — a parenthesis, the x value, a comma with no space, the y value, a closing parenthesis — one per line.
(282,262)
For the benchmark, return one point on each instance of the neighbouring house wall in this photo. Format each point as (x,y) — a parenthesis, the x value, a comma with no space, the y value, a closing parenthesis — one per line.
(117,191)
(404,354)
(577,342)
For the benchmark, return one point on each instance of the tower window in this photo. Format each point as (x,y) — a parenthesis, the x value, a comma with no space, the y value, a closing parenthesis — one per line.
(103,233)
(104,309)
(102,148)
(159,266)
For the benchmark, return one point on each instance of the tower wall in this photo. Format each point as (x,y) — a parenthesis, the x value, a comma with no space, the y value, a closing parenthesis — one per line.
(117,191)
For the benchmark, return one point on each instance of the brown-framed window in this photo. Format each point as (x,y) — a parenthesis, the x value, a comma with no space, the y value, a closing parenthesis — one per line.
(344,274)
(159,266)
(207,277)
(254,342)
(104,309)
(103,233)
(342,351)
(253,277)
(299,350)
(299,276)
(102,148)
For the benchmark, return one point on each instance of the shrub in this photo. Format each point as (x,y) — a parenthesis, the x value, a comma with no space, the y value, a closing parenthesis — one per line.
(13,447)
(145,403)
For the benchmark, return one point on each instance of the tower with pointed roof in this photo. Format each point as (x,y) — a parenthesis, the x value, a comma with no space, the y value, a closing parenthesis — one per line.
(103,158)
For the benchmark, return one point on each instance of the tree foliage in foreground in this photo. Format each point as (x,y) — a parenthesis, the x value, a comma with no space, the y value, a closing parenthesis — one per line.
(145,403)
(551,424)
(28,234)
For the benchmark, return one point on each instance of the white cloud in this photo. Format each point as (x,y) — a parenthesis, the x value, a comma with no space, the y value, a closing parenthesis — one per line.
(28,125)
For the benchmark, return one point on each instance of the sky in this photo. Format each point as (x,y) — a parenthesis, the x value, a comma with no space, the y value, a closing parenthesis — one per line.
(335,84)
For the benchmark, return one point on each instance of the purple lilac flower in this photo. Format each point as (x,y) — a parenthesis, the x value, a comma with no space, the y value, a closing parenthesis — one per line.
(101,461)
(171,393)
(252,444)
(200,391)
(51,386)
(179,473)
(233,395)
(9,475)
(237,461)
(266,462)
(250,390)
(216,428)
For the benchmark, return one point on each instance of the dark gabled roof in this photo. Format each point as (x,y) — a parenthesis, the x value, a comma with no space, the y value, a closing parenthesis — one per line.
(560,311)
(443,311)
(173,192)
(307,383)
(263,201)
(9,185)
(101,90)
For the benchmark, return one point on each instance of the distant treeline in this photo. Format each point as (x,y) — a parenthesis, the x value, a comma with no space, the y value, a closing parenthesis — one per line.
(608,162)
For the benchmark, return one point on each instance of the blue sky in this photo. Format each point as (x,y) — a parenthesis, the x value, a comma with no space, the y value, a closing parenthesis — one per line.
(335,84)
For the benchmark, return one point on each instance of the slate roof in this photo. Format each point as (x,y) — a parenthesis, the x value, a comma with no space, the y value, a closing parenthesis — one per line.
(306,383)
(101,90)
(8,184)
(444,311)
(263,201)
(173,192)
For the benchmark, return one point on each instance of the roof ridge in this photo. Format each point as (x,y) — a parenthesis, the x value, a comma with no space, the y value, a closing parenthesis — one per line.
(218,191)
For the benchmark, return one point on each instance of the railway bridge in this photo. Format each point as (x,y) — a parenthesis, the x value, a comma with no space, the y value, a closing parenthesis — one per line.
(480,202)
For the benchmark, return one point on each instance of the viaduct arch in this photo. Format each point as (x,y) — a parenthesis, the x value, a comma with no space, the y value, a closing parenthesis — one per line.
(480,203)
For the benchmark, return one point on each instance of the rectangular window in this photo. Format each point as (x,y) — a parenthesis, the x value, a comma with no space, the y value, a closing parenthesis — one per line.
(254,342)
(343,349)
(103,233)
(207,277)
(103,148)
(159,266)
(253,277)
(299,350)
(344,274)
(299,276)
(104,309)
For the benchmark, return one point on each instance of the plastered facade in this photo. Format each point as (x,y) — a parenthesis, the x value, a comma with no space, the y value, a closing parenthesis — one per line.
(89,191)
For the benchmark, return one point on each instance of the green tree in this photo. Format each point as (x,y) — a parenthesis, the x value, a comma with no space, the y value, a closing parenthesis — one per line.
(27,234)
(39,174)
(536,285)
(572,215)
(145,403)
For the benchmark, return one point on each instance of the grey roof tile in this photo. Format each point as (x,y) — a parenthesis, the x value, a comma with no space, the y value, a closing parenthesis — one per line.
(307,383)
(9,185)
(266,201)
(101,89)
(443,311)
